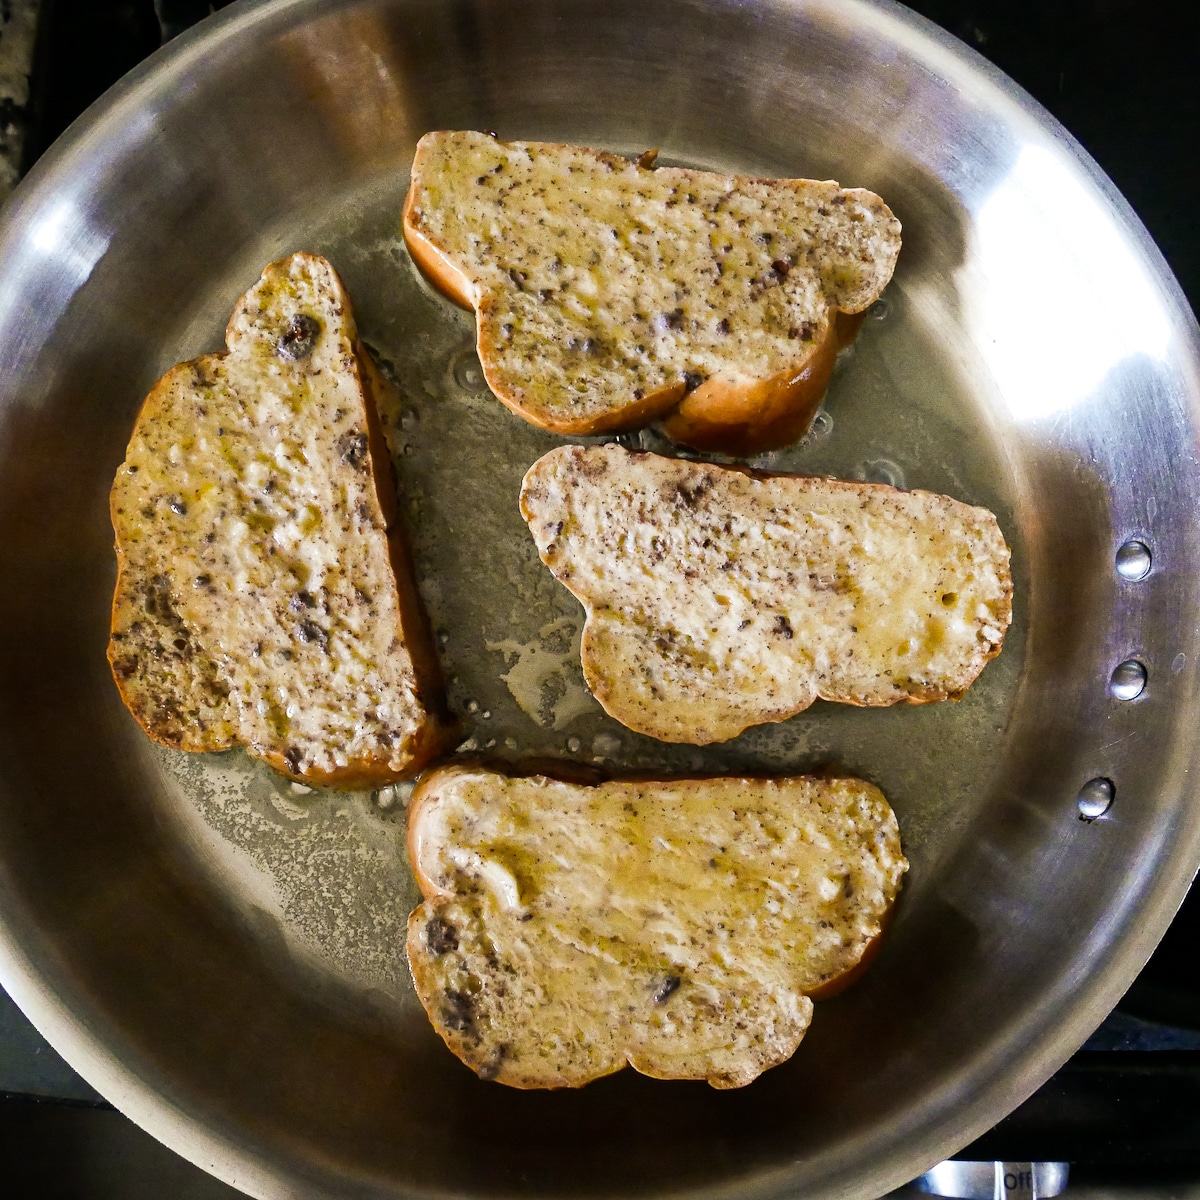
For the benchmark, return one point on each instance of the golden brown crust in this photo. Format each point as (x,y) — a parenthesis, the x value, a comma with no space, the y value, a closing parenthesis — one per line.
(463,1046)
(630,416)
(851,975)
(746,417)
(416,633)
(434,264)
(423,793)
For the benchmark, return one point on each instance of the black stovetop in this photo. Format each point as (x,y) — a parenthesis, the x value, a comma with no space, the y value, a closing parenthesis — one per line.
(1124,77)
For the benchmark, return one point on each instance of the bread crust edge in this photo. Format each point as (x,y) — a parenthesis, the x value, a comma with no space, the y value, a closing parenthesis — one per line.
(746,417)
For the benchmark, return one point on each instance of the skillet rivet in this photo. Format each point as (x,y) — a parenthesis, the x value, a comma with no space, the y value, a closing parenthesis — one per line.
(1134,561)
(1095,798)
(1128,680)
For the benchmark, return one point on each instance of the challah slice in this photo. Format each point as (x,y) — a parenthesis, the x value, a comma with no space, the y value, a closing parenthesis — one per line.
(719,598)
(606,291)
(264,595)
(676,926)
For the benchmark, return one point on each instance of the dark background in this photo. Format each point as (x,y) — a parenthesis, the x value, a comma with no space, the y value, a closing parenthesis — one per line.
(1124,77)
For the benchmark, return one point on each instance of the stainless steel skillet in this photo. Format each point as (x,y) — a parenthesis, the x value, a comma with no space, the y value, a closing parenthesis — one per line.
(219,953)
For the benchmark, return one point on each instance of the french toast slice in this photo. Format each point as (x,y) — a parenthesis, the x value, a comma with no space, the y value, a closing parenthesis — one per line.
(679,927)
(719,598)
(264,595)
(609,294)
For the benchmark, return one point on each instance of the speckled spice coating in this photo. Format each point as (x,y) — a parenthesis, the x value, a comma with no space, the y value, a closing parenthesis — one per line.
(604,290)
(676,927)
(256,600)
(719,598)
